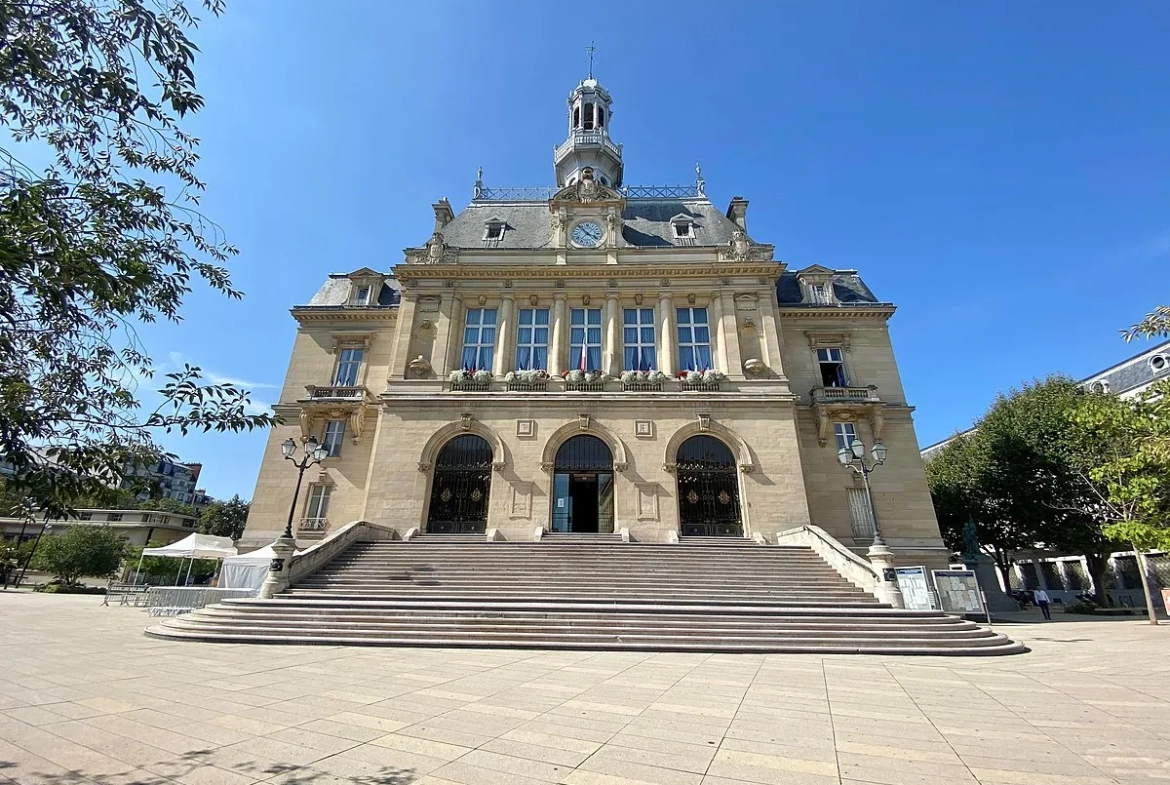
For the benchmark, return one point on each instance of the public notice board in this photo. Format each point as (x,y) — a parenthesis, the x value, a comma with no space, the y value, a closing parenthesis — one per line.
(958,591)
(915,591)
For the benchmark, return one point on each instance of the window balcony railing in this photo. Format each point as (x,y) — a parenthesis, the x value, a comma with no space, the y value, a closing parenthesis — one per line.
(597,386)
(344,392)
(844,394)
(471,385)
(641,386)
(538,386)
(313,525)
(714,385)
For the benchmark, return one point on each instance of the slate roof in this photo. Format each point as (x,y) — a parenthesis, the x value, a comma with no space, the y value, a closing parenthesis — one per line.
(646,224)
(848,288)
(335,293)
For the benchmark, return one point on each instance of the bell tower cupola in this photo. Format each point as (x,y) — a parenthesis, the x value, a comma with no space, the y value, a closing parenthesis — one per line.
(589,145)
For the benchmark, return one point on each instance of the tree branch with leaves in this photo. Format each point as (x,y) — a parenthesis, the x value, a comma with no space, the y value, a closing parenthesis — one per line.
(106,238)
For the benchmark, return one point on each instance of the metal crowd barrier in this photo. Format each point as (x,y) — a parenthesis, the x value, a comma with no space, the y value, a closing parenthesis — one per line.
(175,600)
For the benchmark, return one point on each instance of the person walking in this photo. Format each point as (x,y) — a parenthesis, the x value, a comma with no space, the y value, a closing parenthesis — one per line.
(1042,600)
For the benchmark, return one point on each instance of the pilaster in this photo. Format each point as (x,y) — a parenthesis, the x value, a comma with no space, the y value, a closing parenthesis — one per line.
(401,348)
(728,329)
(505,345)
(612,350)
(667,335)
(770,333)
(556,350)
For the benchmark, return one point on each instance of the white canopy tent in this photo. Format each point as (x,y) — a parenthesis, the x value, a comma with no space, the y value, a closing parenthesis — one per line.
(247,570)
(193,546)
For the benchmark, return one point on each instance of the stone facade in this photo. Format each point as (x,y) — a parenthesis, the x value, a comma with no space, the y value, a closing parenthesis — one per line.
(658,259)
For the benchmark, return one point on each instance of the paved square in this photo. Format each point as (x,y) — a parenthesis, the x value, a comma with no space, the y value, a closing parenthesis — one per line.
(86,698)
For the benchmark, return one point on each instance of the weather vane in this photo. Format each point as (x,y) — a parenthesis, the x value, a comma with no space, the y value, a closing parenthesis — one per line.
(591,49)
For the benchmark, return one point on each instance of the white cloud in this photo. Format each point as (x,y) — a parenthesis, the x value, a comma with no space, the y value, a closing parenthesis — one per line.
(178,360)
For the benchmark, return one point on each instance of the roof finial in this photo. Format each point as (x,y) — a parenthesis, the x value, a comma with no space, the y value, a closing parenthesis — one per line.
(591,49)
(700,183)
(478,183)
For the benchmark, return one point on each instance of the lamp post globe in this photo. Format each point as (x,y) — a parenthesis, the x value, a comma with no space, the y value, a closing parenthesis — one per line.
(287,447)
(879,451)
(845,456)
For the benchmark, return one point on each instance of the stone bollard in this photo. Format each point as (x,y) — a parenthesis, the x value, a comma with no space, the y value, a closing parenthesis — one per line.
(882,559)
(277,580)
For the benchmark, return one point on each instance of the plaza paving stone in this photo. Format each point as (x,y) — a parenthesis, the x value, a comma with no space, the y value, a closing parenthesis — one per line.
(87,699)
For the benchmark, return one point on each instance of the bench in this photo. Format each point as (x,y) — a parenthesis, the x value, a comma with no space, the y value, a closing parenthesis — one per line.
(126,592)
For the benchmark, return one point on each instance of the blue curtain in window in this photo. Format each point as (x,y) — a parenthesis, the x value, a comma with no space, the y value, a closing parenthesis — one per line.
(532,340)
(479,339)
(694,339)
(585,338)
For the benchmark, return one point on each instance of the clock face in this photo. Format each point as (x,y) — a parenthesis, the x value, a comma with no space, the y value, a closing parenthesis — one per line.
(587,234)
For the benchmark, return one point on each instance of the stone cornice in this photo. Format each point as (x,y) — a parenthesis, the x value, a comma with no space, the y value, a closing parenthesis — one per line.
(412,274)
(859,311)
(639,400)
(343,313)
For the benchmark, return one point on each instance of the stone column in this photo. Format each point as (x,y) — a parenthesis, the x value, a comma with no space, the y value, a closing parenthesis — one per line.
(611,352)
(505,344)
(718,335)
(729,328)
(667,335)
(453,353)
(399,360)
(560,327)
(770,332)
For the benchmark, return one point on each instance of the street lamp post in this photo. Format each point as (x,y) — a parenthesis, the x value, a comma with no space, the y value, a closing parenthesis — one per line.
(314,454)
(285,545)
(852,457)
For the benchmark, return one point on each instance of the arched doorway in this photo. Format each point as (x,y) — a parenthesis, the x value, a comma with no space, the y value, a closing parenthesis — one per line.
(708,489)
(583,486)
(461,486)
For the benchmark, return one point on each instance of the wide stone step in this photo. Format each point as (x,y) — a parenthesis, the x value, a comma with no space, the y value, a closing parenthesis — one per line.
(585,592)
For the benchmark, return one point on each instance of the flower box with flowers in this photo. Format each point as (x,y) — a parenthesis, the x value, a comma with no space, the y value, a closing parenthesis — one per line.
(708,380)
(643,381)
(577,380)
(526,381)
(470,381)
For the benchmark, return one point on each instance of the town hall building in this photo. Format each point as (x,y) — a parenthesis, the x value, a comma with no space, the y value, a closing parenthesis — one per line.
(596,359)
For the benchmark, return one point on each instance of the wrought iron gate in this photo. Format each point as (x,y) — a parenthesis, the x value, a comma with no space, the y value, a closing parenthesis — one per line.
(461,487)
(708,489)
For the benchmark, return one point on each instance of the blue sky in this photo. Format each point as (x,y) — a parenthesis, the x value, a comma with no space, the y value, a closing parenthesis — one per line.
(998,170)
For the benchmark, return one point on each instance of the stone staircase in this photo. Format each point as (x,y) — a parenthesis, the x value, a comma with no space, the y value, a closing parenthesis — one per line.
(572,592)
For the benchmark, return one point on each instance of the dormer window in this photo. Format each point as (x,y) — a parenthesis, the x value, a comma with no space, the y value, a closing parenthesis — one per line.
(818,293)
(362,297)
(683,228)
(1159,363)
(493,231)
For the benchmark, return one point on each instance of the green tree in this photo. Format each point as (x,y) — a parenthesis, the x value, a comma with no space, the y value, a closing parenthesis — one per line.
(1131,478)
(80,551)
(1022,476)
(167,505)
(967,482)
(225,519)
(105,237)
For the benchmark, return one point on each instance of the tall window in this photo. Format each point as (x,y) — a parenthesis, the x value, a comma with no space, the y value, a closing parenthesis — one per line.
(585,339)
(588,117)
(318,507)
(846,434)
(832,368)
(694,339)
(532,340)
(334,434)
(349,362)
(479,339)
(639,340)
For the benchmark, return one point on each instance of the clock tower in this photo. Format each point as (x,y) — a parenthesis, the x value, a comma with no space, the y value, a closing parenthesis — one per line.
(588,145)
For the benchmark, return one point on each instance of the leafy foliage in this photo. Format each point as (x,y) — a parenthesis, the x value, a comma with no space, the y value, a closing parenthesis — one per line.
(1156,324)
(104,238)
(225,519)
(1022,475)
(80,551)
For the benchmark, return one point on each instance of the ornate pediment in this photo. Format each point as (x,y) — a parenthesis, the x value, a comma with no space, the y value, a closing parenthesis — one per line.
(436,251)
(740,248)
(587,190)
